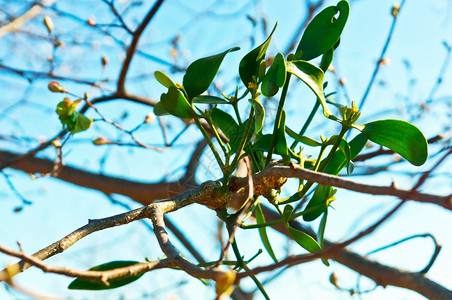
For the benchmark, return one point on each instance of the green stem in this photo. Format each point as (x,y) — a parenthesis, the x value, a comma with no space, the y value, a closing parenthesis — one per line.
(298,195)
(307,123)
(217,136)
(243,141)
(278,119)
(209,142)
(237,114)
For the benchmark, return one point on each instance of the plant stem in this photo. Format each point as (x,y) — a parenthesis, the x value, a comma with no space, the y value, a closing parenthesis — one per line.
(298,195)
(278,119)
(209,142)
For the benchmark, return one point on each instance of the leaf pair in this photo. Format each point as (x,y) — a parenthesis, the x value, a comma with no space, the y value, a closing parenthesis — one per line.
(197,79)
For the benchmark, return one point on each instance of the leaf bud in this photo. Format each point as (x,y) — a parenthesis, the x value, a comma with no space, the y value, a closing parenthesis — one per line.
(48,24)
(56,87)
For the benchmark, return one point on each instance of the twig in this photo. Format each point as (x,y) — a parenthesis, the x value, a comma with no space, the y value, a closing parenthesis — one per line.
(382,55)
(133,45)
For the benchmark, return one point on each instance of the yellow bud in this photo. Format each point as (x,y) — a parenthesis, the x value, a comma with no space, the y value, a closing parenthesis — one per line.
(149,118)
(395,10)
(48,23)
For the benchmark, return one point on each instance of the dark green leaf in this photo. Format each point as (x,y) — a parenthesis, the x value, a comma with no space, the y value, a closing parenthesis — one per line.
(260,219)
(206,99)
(159,110)
(236,136)
(275,76)
(163,79)
(336,164)
(200,73)
(249,65)
(304,240)
(313,77)
(400,136)
(84,284)
(225,122)
(259,114)
(323,31)
(176,104)
(327,58)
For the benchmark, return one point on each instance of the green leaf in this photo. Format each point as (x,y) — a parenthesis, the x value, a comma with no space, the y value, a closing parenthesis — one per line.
(224,121)
(159,110)
(281,144)
(321,231)
(249,65)
(260,219)
(312,76)
(85,284)
(302,139)
(207,99)
(259,114)
(237,134)
(200,73)
(346,150)
(82,123)
(337,163)
(163,79)
(288,209)
(275,76)
(400,136)
(323,31)
(176,104)
(304,240)
(327,58)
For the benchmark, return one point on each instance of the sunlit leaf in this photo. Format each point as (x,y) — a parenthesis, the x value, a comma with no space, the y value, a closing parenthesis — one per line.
(304,240)
(323,31)
(200,73)
(249,65)
(400,136)
(312,76)
(176,104)
(260,219)
(275,76)
(84,284)
(163,79)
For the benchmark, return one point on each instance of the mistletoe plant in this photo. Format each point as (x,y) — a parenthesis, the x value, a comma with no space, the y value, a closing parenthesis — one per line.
(245,137)
(240,136)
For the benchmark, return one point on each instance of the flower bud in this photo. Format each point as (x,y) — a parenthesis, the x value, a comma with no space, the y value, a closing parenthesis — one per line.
(104,61)
(56,87)
(149,118)
(395,10)
(101,141)
(91,22)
